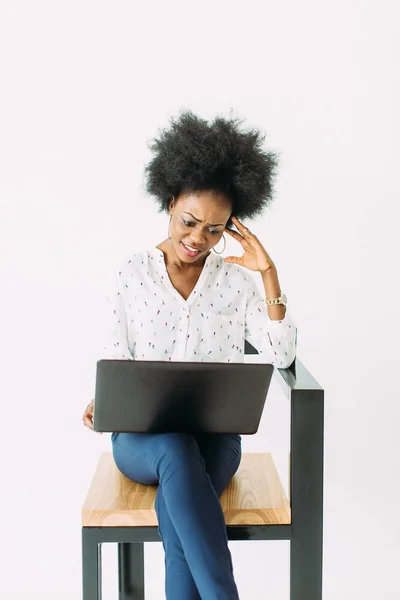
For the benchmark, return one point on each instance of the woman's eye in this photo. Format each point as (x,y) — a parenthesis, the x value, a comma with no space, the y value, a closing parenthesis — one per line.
(191,224)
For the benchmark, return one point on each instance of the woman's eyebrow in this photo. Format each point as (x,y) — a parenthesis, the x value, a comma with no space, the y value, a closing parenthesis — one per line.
(199,220)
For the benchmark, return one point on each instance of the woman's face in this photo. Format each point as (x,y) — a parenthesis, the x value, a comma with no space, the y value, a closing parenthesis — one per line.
(198,221)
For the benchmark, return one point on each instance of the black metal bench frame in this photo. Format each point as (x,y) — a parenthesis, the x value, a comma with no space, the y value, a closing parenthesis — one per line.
(306,500)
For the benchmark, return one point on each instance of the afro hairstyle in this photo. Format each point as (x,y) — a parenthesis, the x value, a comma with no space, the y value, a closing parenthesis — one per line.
(192,155)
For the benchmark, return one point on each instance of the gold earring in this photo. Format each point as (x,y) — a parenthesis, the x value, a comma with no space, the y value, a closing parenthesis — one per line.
(223,250)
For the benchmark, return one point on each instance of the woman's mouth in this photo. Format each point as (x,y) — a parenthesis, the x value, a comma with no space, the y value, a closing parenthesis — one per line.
(190,251)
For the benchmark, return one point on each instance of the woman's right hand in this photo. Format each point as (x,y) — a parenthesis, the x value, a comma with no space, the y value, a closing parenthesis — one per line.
(88,416)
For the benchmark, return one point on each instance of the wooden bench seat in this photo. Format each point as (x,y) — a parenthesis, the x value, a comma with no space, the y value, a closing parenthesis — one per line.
(254,496)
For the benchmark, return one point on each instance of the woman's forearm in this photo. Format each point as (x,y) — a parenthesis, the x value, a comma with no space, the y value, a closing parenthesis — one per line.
(272,289)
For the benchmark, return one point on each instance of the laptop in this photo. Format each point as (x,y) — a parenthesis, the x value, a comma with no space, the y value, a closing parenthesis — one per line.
(187,397)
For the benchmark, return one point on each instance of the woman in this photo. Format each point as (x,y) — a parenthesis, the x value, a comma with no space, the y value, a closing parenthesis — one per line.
(180,301)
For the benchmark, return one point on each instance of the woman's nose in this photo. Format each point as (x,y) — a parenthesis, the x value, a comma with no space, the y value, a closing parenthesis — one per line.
(198,237)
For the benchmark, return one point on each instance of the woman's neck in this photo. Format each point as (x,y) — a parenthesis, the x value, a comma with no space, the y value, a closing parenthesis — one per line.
(173,261)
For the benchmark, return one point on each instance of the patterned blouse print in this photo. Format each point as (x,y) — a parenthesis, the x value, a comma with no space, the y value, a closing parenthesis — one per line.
(150,320)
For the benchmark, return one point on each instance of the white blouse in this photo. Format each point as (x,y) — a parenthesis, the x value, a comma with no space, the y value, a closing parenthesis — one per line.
(150,320)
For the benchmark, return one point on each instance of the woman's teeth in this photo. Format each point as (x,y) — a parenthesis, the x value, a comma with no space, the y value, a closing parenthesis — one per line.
(189,250)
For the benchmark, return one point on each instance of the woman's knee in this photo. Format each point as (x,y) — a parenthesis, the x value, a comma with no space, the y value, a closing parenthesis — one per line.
(175,450)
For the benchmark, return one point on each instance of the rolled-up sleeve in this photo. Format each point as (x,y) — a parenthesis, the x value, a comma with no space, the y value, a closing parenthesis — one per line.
(275,340)
(115,344)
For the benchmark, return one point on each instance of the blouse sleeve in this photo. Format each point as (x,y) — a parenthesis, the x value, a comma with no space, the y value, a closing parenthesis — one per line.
(115,345)
(276,340)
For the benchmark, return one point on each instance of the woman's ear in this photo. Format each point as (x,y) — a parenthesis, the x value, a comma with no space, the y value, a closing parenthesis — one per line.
(171,206)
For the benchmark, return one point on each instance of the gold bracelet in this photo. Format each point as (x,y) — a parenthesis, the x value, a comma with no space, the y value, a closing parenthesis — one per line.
(281,300)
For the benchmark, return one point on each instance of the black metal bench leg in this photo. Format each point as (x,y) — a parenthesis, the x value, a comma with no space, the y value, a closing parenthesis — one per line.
(91,566)
(305,569)
(131,571)
(306,490)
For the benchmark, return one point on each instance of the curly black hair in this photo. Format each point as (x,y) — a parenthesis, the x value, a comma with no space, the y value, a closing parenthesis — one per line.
(192,155)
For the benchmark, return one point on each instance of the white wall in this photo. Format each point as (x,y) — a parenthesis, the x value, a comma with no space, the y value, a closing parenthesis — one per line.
(84,85)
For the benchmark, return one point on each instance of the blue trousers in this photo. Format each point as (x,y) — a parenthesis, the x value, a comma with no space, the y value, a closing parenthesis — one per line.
(191,471)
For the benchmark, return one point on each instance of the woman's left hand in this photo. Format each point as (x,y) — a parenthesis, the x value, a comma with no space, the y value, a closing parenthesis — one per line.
(255,256)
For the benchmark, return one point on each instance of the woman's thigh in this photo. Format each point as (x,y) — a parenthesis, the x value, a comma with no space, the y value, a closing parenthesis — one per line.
(142,456)
(135,454)
(131,451)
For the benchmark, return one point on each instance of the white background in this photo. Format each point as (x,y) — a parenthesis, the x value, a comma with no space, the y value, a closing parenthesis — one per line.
(84,85)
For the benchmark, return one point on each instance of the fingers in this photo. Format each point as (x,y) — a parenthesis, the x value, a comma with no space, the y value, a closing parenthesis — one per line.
(88,417)
(243,230)
(236,260)
(235,234)
(87,420)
